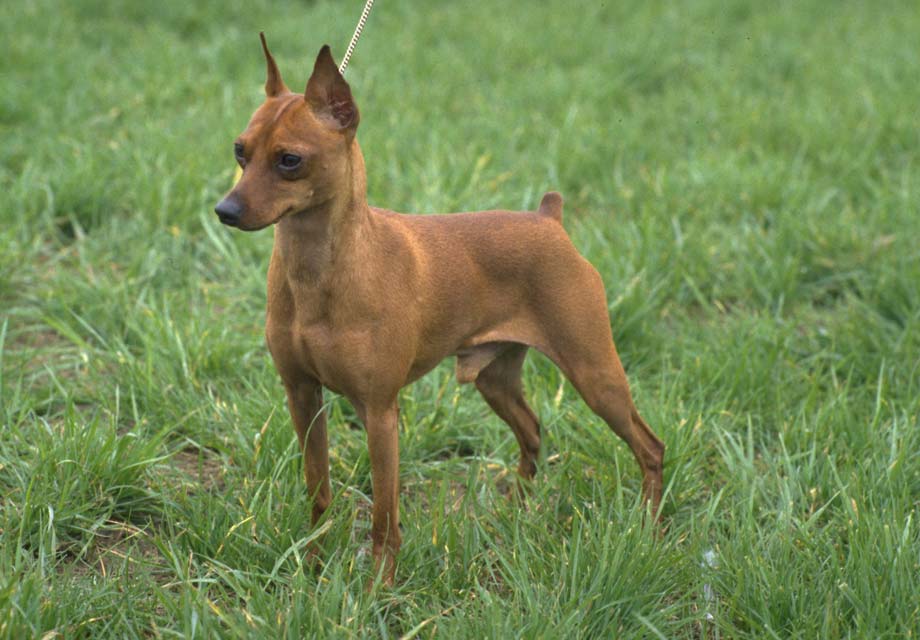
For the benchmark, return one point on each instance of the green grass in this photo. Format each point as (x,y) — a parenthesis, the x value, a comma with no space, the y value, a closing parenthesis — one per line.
(745,178)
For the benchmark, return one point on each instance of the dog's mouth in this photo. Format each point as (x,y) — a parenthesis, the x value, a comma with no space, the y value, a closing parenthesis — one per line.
(228,220)
(258,226)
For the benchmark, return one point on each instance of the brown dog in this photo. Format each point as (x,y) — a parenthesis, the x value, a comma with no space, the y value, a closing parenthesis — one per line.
(364,301)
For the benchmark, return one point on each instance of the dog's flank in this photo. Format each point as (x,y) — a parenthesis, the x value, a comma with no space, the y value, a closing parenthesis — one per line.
(363,301)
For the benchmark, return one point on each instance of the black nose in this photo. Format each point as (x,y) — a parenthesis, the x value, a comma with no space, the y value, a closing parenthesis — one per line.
(229,211)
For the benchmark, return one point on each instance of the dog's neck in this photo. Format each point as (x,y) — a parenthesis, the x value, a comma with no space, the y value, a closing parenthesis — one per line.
(315,244)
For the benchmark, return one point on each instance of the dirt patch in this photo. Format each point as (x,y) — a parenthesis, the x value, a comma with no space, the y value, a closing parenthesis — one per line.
(34,349)
(203,466)
(45,360)
(120,549)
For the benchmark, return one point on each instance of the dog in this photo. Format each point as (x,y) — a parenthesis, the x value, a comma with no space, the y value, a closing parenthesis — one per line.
(363,301)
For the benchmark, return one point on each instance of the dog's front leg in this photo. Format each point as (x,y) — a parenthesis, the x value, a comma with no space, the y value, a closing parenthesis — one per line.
(305,401)
(382,426)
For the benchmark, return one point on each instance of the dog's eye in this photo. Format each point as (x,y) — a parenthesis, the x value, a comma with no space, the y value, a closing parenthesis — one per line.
(238,152)
(289,161)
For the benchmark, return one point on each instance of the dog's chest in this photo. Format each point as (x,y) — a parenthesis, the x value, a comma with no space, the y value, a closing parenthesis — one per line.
(343,359)
(302,349)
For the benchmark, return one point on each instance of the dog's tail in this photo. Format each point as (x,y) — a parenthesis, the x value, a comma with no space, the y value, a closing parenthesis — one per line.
(551,206)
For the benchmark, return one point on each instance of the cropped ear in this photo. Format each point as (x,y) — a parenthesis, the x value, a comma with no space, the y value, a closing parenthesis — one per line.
(329,96)
(274,85)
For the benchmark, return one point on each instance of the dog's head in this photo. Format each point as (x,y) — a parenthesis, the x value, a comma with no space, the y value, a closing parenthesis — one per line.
(295,152)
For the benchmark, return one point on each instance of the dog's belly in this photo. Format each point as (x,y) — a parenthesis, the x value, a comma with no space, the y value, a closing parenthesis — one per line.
(366,360)
(475,351)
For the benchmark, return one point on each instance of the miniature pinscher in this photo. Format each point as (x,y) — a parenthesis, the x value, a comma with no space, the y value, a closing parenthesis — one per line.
(364,301)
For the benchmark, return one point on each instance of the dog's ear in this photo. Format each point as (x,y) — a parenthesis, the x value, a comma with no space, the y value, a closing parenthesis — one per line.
(329,96)
(274,85)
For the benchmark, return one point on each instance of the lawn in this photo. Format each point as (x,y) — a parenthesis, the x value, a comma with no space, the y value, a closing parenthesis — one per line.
(746,178)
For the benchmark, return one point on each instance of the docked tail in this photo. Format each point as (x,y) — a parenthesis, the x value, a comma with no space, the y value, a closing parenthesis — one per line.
(551,206)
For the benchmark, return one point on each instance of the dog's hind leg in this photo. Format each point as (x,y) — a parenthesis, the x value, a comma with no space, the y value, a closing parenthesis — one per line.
(604,388)
(500,384)
(580,342)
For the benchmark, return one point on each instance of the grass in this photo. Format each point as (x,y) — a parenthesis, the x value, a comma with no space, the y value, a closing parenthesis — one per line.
(745,178)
